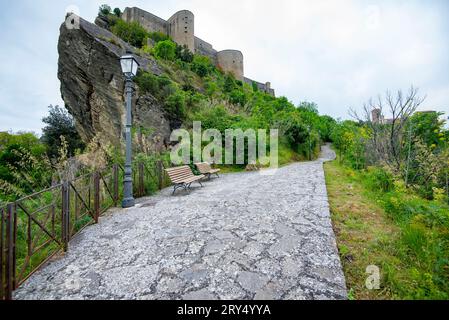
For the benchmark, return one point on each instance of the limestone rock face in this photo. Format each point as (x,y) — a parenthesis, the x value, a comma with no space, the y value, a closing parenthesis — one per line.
(92,86)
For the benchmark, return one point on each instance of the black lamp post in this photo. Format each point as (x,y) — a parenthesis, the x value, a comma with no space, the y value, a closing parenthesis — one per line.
(129,67)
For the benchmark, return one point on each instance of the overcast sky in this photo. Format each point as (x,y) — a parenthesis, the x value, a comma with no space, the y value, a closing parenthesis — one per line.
(335,53)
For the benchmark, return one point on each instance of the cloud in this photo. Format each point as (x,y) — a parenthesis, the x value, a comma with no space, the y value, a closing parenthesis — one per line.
(336,53)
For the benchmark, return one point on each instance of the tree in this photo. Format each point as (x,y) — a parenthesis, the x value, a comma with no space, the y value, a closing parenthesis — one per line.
(201,65)
(388,142)
(309,106)
(118,12)
(24,166)
(60,124)
(229,84)
(184,54)
(165,50)
(104,10)
(428,127)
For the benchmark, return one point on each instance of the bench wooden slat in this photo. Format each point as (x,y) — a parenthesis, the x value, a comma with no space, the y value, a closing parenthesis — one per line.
(183,176)
(205,168)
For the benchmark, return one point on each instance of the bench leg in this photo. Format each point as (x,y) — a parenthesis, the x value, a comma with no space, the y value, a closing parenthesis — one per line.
(218,176)
(179,186)
(200,183)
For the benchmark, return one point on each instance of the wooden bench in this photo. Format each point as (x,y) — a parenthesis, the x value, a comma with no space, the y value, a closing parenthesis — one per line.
(183,177)
(206,169)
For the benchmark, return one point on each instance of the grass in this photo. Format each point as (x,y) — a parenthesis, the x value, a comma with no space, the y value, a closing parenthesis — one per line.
(405,236)
(364,233)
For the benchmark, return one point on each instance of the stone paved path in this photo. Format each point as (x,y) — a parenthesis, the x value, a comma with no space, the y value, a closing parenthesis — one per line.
(243,236)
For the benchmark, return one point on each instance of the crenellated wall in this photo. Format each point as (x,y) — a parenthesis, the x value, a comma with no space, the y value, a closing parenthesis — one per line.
(181,28)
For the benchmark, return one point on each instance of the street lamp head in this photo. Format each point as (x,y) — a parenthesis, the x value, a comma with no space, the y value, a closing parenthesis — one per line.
(129,65)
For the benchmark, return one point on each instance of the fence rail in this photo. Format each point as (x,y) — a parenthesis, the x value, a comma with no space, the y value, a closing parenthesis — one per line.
(37,227)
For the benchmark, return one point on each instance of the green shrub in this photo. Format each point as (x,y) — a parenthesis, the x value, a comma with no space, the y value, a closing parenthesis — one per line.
(201,65)
(147,82)
(175,105)
(255,86)
(237,97)
(133,32)
(229,84)
(159,86)
(379,180)
(184,54)
(158,36)
(165,50)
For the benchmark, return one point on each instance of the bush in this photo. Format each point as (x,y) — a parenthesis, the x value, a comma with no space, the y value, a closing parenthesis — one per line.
(165,50)
(184,54)
(379,180)
(133,33)
(229,84)
(175,106)
(238,97)
(255,86)
(201,65)
(158,36)
(147,82)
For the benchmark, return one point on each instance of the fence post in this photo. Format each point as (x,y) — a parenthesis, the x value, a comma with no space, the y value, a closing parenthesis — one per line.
(10,270)
(97,196)
(115,177)
(65,216)
(160,174)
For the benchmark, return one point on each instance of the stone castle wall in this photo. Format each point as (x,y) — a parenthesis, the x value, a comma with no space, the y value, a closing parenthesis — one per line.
(264,87)
(206,49)
(147,20)
(181,28)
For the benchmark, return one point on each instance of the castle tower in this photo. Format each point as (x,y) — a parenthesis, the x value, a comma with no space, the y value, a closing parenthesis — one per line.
(231,61)
(181,28)
(376,115)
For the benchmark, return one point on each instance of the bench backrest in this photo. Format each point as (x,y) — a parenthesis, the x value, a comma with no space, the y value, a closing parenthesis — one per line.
(179,174)
(203,167)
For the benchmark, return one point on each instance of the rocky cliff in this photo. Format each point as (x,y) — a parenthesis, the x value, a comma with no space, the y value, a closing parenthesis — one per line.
(92,86)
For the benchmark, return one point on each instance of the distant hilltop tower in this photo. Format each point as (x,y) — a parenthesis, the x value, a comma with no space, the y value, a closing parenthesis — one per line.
(181,28)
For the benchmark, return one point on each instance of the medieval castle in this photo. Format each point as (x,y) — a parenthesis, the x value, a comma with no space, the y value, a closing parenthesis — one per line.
(181,28)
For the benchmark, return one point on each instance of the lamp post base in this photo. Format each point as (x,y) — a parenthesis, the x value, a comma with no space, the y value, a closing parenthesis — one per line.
(128,203)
